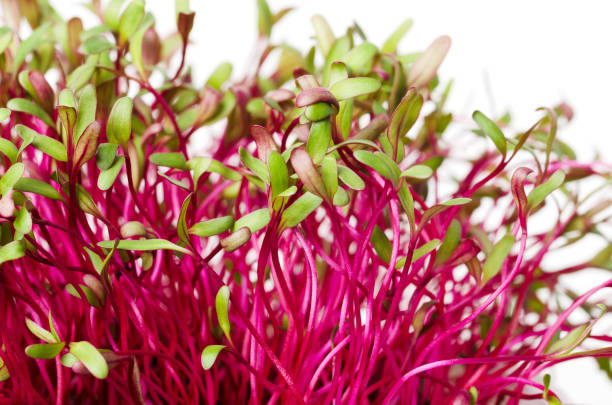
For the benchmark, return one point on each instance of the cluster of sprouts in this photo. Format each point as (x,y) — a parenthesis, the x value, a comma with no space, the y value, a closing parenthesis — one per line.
(332,245)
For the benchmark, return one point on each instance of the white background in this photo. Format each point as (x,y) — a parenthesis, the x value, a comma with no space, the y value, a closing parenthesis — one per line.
(511,55)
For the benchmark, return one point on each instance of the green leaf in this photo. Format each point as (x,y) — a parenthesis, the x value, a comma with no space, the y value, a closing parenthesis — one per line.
(44,350)
(12,251)
(9,149)
(181,227)
(219,168)
(491,130)
(449,243)
(40,332)
(220,75)
(199,165)
(420,172)
(569,341)
(144,245)
(386,168)
(29,107)
(236,239)
(323,33)
(390,45)
(300,209)
(329,173)
(23,221)
(33,41)
(170,159)
(105,157)
(354,87)
(403,118)
(350,178)
(119,126)
(66,98)
(112,13)
(87,110)
(130,20)
(539,193)
(68,360)
(473,396)
(255,165)
(90,357)
(341,198)
(212,227)
(136,45)
(318,111)
(209,355)
(279,174)
(221,304)
(44,143)
(4,113)
(318,140)
(255,220)
(52,328)
(107,177)
(80,76)
(11,177)
(26,184)
(425,249)
(264,18)
(359,56)
(496,258)
(6,37)
(381,244)
(96,44)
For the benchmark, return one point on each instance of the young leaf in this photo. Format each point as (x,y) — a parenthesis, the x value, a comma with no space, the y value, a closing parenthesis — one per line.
(12,251)
(209,355)
(381,244)
(144,245)
(496,258)
(491,130)
(80,76)
(386,168)
(107,177)
(23,221)
(86,145)
(26,184)
(354,87)
(44,143)
(425,249)
(181,227)
(136,45)
(4,113)
(236,239)
(221,304)
(106,155)
(255,165)
(359,56)
(255,220)
(423,70)
(119,125)
(9,149)
(44,350)
(449,243)
(87,110)
(96,44)
(318,141)
(300,209)
(130,20)
(40,332)
(390,45)
(307,172)
(539,193)
(36,38)
(264,18)
(350,178)
(11,177)
(212,227)
(329,172)
(29,107)
(90,357)
(220,75)
(418,172)
(170,159)
(325,36)
(279,174)
(403,118)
